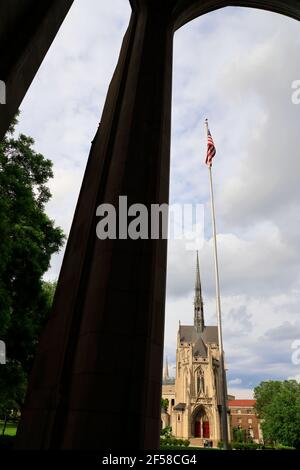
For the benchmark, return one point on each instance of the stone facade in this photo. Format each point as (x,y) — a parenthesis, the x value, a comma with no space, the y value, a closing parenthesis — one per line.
(195,413)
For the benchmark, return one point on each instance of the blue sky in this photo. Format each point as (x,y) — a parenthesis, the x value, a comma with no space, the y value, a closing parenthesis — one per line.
(236,67)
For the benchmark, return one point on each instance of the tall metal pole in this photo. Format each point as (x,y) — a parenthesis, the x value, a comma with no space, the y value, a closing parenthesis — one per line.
(224,424)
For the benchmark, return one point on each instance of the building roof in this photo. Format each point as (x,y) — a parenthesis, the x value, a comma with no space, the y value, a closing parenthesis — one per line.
(241,403)
(210,334)
(179,407)
(189,334)
(199,348)
(199,340)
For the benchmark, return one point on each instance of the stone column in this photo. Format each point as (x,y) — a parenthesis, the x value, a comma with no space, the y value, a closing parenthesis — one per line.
(27,29)
(96,382)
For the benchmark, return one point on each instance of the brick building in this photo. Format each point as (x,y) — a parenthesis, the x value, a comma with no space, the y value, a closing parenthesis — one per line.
(243,416)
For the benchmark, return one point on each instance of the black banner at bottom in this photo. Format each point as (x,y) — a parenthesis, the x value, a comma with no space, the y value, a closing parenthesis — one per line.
(135,459)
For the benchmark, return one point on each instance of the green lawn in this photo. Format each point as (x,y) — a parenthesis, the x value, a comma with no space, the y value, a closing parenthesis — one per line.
(186,448)
(10,430)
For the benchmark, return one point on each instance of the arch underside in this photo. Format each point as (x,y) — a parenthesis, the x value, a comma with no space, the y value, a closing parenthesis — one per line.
(187,10)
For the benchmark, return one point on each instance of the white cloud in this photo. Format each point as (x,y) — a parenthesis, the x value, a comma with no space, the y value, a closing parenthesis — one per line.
(236,381)
(246,93)
(241,393)
(63,106)
(234,66)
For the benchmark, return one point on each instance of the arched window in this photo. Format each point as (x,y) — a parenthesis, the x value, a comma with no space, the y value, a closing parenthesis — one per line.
(198,376)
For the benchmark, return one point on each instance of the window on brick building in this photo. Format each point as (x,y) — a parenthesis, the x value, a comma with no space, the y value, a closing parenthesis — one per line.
(250,421)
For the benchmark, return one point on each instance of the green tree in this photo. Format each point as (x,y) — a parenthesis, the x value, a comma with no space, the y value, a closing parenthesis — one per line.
(164,404)
(49,289)
(28,240)
(13,383)
(278,406)
(239,435)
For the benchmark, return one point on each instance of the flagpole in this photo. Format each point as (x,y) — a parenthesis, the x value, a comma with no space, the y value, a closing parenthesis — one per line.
(224,423)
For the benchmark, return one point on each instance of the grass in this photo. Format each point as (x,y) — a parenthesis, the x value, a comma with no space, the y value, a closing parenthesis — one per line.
(11,429)
(186,448)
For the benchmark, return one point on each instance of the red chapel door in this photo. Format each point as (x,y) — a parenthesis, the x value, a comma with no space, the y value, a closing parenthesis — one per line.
(206,429)
(197,429)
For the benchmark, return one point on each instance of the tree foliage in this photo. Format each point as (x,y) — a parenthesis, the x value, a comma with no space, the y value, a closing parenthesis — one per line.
(28,240)
(278,406)
(164,404)
(240,435)
(13,382)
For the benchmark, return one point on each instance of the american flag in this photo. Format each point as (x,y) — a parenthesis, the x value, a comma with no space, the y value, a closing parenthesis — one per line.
(211,149)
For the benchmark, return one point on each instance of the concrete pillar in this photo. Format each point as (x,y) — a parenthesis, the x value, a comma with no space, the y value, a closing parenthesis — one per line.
(27,29)
(96,381)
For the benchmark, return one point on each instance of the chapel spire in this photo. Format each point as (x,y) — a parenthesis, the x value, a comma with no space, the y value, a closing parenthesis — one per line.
(166,376)
(198,302)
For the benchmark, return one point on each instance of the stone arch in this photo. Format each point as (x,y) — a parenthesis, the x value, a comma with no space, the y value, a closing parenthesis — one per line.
(185,11)
(100,285)
(201,422)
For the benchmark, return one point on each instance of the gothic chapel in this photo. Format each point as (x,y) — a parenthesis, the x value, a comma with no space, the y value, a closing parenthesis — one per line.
(194,399)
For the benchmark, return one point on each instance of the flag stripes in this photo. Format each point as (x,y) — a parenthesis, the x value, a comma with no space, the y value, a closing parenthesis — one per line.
(211,149)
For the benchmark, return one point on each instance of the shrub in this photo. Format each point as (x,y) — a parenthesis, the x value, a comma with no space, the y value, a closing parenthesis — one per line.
(245,445)
(282,447)
(172,441)
(167,431)
(239,435)
(220,445)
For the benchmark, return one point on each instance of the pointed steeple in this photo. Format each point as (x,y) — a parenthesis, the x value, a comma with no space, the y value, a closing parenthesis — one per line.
(198,302)
(166,371)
